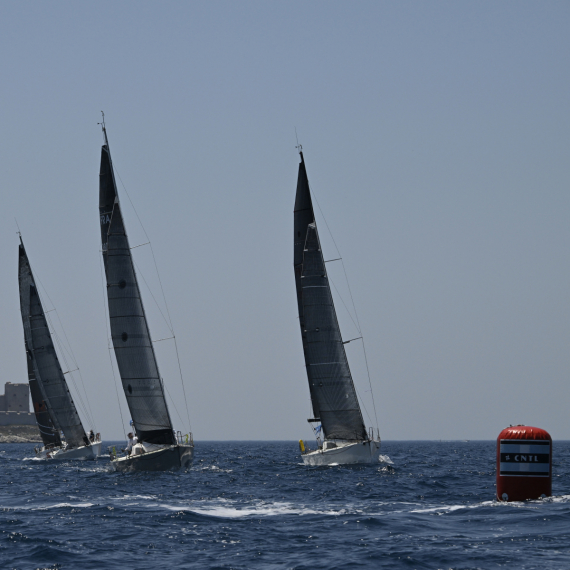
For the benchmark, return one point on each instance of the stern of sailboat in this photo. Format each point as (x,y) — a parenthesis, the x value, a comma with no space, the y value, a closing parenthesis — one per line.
(155,457)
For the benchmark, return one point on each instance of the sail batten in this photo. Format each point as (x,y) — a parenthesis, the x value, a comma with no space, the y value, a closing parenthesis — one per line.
(333,395)
(53,405)
(130,334)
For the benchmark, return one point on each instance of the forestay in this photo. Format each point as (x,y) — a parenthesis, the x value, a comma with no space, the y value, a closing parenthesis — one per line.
(51,392)
(333,394)
(129,329)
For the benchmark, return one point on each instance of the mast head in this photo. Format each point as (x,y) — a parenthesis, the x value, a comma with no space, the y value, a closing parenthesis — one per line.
(21,246)
(102,123)
(300,148)
(19,232)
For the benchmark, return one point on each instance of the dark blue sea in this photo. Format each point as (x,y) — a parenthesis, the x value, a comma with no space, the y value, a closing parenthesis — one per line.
(254,505)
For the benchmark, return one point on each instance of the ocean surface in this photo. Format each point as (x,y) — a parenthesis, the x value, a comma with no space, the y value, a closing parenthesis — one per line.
(254,505)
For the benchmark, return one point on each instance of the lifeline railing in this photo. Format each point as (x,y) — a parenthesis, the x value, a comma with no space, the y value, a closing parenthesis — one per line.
(49,447)
(186,439)
(371,434)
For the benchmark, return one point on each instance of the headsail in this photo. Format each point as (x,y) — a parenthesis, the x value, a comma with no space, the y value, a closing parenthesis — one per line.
(50,394)
(331,386)
(129,329)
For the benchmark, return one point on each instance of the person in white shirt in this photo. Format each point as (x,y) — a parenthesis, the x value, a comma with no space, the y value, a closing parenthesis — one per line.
(132,440)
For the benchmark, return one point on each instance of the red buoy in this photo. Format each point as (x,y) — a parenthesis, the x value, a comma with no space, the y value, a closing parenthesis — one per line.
(524,464)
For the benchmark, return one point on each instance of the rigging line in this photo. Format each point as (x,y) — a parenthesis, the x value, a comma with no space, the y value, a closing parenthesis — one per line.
(342,301)
(363,404)
(370,384)
(59,342)
(172,330)
(62,352)
(61,346)
(363,346)
(139,272)
(364,351)
(69,350)
(339,254)
(152,252)
(170,326)
(64,349)
(350,292)
(161,339)
(151,249)
(173,404)
(312,190)
(108,345)
(183,386)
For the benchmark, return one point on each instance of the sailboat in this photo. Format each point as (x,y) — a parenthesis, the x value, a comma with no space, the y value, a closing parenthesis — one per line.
(60,427)
(337,419)
(158,448)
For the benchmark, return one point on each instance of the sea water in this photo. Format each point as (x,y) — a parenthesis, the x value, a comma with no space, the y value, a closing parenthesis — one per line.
(255,505)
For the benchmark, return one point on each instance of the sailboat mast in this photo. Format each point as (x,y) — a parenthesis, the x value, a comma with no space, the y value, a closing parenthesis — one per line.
(130,334)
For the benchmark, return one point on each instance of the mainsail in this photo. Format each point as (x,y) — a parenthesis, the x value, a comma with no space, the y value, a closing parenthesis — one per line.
(333,395)
(52,400)
(50,436)
(129,329)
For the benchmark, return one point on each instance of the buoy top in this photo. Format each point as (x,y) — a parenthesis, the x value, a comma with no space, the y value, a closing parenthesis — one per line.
(524,432)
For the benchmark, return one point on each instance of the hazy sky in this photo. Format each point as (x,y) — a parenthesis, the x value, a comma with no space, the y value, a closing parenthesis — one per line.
(437,143)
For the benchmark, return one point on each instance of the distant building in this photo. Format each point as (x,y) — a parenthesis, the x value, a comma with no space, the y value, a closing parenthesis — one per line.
(16,398)
(15,405)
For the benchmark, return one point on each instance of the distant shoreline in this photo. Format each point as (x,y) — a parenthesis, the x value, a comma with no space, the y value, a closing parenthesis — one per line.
(19,434)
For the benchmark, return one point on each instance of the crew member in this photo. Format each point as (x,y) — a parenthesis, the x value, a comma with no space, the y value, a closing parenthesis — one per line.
(133,439)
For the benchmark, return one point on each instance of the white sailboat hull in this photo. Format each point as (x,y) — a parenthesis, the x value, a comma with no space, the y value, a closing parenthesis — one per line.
(157,458)
(363,452)
(83,453)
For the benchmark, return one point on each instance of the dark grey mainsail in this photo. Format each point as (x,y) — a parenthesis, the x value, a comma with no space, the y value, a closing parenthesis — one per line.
(49,435)
(129,329)
(333,395)
(50,392)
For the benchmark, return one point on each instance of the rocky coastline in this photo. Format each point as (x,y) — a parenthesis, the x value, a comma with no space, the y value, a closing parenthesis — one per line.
(19,434)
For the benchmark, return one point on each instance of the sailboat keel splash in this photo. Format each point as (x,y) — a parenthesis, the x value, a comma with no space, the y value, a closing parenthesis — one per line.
(345,453)
(167,458)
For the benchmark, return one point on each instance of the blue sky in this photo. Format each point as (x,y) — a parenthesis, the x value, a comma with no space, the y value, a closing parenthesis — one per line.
(436,137)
